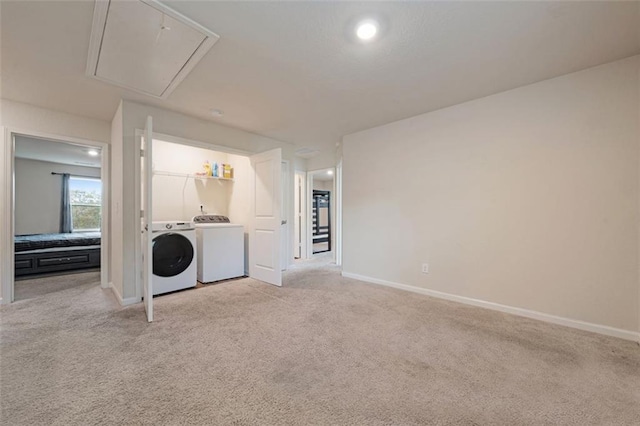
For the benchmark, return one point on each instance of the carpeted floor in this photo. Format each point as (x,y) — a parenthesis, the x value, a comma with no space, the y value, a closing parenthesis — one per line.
(321,350)
(28,288)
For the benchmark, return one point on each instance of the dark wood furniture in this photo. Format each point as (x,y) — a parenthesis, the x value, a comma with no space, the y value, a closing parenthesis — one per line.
(47,253)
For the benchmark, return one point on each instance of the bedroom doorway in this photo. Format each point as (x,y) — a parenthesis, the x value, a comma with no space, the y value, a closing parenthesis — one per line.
(321,232)
(55,214)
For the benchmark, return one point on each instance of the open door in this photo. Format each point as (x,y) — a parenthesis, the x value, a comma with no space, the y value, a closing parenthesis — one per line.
(284,226)
(264,237)
(146,225)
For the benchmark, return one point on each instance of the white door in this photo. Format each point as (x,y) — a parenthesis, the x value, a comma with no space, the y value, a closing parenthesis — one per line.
(284,214)
(145,205)
(264,237)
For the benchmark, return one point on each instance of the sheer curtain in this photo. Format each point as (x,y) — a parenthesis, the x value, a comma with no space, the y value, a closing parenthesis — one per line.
(66,225)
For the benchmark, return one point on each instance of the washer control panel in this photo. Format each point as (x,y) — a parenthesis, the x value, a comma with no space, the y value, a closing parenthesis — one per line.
(169,225)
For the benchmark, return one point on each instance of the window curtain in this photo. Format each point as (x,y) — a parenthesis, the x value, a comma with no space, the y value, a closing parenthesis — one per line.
(66,225)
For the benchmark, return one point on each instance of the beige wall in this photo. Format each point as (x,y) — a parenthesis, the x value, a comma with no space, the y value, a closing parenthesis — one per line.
(25,117)
(300,164)
(38,194)
(239,193)
(115,253)
(323,160)
(324,185)
(133,116)
(528,198)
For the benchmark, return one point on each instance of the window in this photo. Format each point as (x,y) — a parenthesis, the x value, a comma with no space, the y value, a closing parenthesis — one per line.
(86,198)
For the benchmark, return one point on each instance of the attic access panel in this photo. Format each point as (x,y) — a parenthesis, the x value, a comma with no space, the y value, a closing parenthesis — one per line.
(144,46)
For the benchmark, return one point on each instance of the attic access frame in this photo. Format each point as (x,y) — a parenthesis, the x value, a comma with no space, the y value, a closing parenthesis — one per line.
(99,26)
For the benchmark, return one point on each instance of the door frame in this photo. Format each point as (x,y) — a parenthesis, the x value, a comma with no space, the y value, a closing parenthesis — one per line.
(300,189)
(197,144)
(336,236)
(7,213)
(285,215)
(137,175)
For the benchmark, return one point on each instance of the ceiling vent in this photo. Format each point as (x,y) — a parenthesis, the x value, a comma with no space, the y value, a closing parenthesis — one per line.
(306,152)
(144,46)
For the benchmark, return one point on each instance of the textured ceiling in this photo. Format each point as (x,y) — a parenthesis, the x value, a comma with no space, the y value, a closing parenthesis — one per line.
(55,152)
(293,71)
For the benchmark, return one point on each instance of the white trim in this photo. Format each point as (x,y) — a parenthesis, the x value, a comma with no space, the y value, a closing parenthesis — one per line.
(137,208)
(338,209)
(301,245)
(123,302)
(97,30)
(7,215)
(105,212)
(287,259)
(567,322)
(100,13)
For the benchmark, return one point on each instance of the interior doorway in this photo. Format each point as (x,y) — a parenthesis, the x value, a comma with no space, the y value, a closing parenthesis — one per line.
(55,214)
(180,179)
(321,221)
(321,212)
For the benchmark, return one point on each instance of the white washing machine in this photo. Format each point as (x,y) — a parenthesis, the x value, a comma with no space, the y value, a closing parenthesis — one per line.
(220,248)
(174,256)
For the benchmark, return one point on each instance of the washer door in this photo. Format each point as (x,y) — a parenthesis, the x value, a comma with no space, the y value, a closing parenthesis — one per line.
(172,254)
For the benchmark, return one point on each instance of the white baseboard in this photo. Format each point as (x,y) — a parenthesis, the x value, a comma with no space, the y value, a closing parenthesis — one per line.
(123,302)
(581,325)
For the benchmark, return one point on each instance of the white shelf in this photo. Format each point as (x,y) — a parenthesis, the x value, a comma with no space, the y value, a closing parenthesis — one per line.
(186,175)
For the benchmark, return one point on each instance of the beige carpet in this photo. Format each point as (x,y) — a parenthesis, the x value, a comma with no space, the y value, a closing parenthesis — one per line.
(28,288)
(320,350)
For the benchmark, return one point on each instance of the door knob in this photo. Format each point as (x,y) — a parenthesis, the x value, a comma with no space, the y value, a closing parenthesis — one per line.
(284,222)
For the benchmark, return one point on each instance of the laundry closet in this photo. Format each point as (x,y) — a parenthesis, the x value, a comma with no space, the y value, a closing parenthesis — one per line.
(206,186)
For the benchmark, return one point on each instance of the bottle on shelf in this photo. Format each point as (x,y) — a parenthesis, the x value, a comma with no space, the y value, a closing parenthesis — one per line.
(207,168)
(227,171)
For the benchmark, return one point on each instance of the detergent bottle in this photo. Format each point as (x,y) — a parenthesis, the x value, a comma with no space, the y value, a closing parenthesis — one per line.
(207,168)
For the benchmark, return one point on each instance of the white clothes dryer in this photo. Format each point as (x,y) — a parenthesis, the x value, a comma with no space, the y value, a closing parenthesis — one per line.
(220,248)
(174,256)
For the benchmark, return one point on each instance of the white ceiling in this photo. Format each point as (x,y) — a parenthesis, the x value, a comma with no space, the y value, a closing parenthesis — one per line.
(55,152)
(293,71)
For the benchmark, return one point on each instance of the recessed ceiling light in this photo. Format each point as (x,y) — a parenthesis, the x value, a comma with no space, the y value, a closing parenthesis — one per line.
(329,172)
(217,112)
(367,30)
(92,152)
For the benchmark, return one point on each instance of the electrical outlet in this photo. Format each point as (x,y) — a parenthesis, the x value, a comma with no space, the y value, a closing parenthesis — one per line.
(425,268)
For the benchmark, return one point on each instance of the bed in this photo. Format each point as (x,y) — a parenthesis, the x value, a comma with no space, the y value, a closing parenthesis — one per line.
(46,253)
